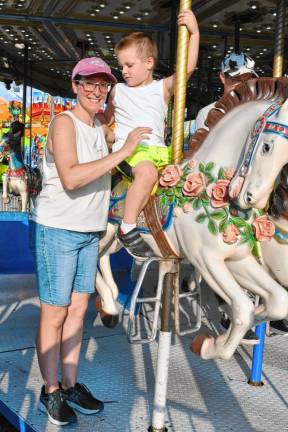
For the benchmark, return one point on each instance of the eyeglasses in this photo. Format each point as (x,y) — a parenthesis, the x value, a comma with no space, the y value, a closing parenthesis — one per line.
(90,86)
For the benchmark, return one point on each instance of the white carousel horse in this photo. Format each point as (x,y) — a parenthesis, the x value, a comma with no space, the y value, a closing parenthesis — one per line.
(213,236)
(15,179)
(269,149)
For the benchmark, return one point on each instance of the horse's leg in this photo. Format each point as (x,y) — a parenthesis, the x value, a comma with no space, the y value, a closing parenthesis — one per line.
(107,307)
(5,195)
(24,198)
(216,274)
(253,277)
(106,272)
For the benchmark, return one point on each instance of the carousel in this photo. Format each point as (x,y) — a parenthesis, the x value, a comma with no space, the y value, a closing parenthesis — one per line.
(153,347)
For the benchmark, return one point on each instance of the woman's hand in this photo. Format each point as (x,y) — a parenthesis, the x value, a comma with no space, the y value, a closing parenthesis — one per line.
(134,138)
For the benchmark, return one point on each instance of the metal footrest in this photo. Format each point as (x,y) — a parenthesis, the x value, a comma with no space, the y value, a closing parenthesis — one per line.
(192,297)
(193,304)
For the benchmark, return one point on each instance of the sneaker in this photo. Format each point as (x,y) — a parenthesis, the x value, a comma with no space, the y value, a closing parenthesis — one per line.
(80,398)
(135,244)
(54,405)
(249,338)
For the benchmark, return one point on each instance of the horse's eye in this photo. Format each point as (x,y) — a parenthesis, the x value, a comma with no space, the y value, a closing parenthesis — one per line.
(266,148)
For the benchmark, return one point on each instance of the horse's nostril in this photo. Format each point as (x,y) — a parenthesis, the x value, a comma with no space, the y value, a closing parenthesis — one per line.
(249,197)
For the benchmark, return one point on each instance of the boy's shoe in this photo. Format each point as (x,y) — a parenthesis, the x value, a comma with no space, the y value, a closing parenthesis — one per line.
(54,404)
(80,398)
(135,244)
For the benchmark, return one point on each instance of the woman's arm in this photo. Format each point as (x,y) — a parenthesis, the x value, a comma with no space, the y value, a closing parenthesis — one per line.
(62,145)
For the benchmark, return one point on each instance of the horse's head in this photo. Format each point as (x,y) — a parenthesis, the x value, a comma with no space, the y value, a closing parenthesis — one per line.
(266,154)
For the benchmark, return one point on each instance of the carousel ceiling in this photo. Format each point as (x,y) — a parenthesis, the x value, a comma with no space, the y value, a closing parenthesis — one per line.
(56,33)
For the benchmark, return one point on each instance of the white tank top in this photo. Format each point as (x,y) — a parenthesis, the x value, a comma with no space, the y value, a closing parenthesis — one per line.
(140,106)
(84,209)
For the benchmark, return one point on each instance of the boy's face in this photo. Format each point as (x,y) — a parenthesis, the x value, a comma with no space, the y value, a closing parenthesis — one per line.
(136,71)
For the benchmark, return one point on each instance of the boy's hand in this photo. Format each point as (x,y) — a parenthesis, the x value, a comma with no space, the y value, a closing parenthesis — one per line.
(134,138)
(188,19)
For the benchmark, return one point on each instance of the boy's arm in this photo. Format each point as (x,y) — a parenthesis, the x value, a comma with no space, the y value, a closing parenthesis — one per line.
(108,115)
(187,18)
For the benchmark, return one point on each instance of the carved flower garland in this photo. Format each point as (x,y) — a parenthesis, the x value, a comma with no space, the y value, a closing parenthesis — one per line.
(188,190)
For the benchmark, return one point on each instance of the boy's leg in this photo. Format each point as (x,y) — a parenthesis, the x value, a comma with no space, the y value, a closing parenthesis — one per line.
(145,176)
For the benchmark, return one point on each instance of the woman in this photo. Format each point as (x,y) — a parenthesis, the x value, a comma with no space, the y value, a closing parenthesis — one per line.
(69,216)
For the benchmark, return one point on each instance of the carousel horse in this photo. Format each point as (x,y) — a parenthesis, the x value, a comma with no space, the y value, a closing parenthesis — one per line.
(215,223)
(269,149)
(15,179)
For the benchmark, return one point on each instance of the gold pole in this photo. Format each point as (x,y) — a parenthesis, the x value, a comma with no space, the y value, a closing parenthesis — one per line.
(279,39)
(180,88)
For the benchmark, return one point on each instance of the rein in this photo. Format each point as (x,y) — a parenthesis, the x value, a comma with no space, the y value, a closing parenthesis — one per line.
(262,125)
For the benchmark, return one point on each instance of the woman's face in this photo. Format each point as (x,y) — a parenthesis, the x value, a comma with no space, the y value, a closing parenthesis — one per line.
(92,91)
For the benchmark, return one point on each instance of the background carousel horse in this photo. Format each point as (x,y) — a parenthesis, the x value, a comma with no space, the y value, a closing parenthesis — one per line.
(221,235)
(15,179)
(269,149)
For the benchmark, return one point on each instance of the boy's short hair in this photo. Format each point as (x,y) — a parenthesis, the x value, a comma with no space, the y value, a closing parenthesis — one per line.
(145,45)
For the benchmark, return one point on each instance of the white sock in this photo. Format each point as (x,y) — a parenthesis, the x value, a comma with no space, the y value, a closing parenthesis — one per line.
(125,228)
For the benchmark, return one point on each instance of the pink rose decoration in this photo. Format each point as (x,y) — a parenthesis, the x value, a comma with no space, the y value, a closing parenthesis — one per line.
(218,192)
(195,184)
(192,163)
(230,234)
(177,211)
(187,208)
(263,228)
(170,176)
(235,187)
(229,173)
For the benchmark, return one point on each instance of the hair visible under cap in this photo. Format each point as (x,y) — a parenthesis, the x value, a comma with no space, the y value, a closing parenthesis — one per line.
(145,45)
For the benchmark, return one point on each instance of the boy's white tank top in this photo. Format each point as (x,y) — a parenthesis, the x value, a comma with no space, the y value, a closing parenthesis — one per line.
(140,106)
(84,209)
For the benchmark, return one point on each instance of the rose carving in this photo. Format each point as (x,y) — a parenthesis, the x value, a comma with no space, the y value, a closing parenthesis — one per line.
(263,228)
(195,184)
(170,176)
(218,192)
(230,234)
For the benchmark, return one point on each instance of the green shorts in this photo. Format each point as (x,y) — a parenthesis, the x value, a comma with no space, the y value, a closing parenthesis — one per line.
(159,156)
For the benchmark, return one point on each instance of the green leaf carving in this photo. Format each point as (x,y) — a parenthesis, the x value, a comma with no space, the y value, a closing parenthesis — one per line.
(212,227)
(218,215)
(221,174)
(201,218)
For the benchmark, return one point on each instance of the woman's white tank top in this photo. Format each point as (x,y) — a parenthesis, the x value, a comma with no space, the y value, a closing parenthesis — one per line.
(140,106)
(84,209)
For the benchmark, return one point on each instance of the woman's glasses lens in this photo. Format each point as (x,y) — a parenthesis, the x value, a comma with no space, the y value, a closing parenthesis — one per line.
(89,86)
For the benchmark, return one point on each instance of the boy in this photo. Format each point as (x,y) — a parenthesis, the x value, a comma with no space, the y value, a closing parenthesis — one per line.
(143,102)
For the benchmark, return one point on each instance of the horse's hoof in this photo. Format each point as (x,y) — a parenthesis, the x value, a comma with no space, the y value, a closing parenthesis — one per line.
(198,342)
(108,320)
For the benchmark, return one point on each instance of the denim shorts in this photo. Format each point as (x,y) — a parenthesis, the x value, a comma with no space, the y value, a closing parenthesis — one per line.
(65,262)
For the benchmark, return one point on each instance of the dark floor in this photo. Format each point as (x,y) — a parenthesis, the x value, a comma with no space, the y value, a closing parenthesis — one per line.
(5,426)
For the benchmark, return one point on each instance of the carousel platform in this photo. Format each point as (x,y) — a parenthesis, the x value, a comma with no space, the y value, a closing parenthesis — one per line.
(203,396)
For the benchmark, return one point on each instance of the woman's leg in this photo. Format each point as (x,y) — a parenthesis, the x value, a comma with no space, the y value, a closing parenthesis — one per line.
(72,337)
(48,343)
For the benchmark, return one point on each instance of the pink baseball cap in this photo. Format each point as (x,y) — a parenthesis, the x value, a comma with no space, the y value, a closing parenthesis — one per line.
(93,65)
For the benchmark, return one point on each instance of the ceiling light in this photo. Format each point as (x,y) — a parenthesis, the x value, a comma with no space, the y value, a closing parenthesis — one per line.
(268,28)
(214,25)
(19,45)
(253,6)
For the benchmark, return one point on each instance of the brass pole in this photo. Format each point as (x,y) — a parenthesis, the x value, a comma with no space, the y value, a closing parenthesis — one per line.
(279,39)
(180,88)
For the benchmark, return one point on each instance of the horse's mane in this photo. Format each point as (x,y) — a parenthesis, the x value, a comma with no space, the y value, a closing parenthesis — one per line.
(270,89)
